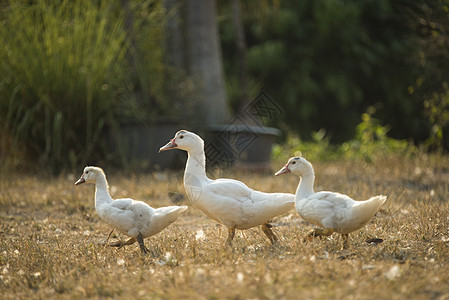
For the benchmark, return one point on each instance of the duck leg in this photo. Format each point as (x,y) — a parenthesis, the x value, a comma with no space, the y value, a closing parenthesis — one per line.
(120,244)
(143,249)
(345,241)
(109,235)
(231,234)
(266,228)
(318,232)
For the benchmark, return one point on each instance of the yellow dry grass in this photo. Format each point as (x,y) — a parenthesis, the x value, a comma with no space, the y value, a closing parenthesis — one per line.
(51,240)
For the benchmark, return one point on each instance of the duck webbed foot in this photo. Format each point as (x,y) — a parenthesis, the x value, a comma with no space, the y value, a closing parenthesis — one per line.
(318,232)
(266,228)
(121,243)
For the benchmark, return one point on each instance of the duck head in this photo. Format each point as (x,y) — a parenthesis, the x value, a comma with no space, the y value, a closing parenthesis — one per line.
(296,165)
(90,175)
(184,140)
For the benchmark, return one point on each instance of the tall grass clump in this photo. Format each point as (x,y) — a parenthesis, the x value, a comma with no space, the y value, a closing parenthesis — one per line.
(64,78)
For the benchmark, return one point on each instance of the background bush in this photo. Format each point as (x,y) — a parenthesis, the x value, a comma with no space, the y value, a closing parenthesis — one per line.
(70,71)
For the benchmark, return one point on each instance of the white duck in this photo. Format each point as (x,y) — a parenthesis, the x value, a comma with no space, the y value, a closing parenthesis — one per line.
(227,201)
(133,218)
(332,211)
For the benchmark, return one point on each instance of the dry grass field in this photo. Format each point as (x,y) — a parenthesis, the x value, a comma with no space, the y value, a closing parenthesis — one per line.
(52,241)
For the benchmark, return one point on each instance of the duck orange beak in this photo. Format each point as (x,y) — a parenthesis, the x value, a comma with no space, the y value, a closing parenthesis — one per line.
(284,170)
(81,180)
(168,146)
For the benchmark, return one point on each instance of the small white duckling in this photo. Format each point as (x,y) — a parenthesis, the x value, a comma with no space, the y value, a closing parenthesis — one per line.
(333,212)
(135,219)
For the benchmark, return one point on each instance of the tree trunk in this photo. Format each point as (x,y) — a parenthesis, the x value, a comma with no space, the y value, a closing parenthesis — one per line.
(240,43)
(194,47)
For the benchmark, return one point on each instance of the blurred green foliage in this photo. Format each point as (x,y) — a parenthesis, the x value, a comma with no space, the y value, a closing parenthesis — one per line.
(325,62)
(369,144)
(70,70)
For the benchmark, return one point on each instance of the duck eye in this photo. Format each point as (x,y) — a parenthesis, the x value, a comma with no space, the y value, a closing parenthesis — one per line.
(87,172)
(181,137)
(294,162)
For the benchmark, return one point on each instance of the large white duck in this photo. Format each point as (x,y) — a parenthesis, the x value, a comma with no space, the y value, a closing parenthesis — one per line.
(227,201)
(333,212)
(135,219)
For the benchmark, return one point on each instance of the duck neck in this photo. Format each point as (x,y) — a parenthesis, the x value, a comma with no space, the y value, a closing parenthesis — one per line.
(305,186)
(195,167)
(102,191)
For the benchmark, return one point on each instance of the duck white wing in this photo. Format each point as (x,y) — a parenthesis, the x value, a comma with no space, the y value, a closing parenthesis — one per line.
(262,207)
(122,204)
(229,187)
(337,211)
(161,218)
(168,211)
(326,209)
(234,204)
(221,199)
(363,211)
(126,215)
